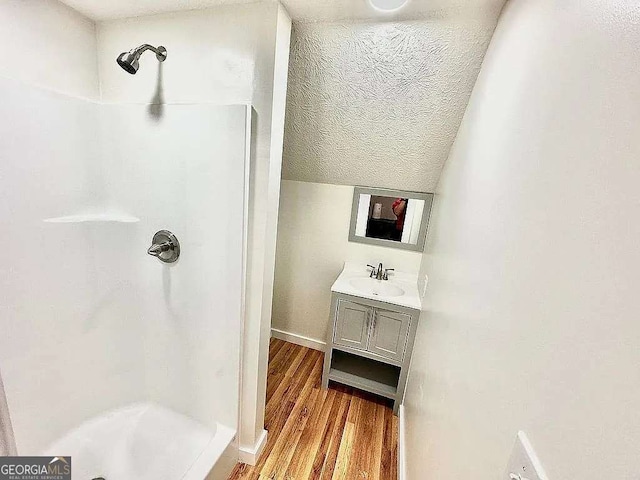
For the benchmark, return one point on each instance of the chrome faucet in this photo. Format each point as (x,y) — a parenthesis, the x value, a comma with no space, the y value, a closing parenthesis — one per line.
(379,273)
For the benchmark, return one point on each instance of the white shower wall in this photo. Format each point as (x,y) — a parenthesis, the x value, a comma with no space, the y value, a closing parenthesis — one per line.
(90,321)
(184,170)
(226,54)
(65,293)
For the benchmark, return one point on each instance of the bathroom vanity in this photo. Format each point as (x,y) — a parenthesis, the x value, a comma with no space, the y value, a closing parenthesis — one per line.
(373,326)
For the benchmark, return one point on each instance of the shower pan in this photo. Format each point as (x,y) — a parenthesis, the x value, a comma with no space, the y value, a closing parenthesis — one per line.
(128,364)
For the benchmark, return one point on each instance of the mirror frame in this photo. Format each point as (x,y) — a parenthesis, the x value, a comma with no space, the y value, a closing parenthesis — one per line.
(383,192)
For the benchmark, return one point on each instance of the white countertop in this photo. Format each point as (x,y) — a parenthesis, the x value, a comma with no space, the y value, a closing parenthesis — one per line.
(406,281)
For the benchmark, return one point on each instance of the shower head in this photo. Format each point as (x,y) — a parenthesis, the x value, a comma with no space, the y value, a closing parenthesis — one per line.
(129,60)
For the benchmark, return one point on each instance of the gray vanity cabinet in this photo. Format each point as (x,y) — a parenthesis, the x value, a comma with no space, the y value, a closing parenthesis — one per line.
(369,345)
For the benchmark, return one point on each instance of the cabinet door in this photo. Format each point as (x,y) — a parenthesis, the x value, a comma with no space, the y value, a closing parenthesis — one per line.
(389,334)
(352,325)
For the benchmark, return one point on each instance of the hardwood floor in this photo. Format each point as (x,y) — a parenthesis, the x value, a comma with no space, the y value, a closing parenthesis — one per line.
(332,434)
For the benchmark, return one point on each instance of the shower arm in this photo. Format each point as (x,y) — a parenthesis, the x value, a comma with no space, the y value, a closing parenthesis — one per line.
(161,52)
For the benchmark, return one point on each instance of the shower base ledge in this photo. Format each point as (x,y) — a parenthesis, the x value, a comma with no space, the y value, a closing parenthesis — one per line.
(148,442)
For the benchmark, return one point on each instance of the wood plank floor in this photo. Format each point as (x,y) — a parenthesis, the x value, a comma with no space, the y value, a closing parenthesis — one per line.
(319,434)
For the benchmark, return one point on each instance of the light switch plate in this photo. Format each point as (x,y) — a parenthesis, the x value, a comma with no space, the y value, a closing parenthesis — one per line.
(524,463)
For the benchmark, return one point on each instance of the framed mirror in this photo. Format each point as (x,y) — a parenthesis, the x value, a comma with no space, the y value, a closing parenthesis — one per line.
(390,218)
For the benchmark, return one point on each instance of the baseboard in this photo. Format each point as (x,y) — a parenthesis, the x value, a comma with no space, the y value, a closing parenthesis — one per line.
(402,460)
(250,455)
(298,339)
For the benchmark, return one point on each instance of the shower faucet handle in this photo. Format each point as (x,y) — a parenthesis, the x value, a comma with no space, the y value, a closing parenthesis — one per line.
(165,247)
(157,248)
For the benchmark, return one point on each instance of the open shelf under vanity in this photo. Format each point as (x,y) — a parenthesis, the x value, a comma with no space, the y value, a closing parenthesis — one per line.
(364,373)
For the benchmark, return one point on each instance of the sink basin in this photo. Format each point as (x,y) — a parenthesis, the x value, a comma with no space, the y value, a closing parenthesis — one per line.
(371,286)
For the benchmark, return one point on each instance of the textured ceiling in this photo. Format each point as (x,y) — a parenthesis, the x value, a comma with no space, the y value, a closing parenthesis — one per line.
(300,10)
(379,104)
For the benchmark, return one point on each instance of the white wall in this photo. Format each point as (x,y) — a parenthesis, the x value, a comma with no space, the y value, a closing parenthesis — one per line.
(216,65)
(48,44)
(257,372)
(313,234)
(225,54)
(531,319)
(66,297)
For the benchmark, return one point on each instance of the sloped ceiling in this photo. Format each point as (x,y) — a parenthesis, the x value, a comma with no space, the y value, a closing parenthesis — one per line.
(379,104)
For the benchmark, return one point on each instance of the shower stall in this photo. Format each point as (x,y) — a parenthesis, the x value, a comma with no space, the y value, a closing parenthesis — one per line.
(128,364)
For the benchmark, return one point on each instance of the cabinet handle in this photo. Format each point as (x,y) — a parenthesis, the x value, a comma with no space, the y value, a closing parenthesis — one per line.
(373,317)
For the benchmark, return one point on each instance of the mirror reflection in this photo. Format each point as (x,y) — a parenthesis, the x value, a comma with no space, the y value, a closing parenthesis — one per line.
(390,217)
